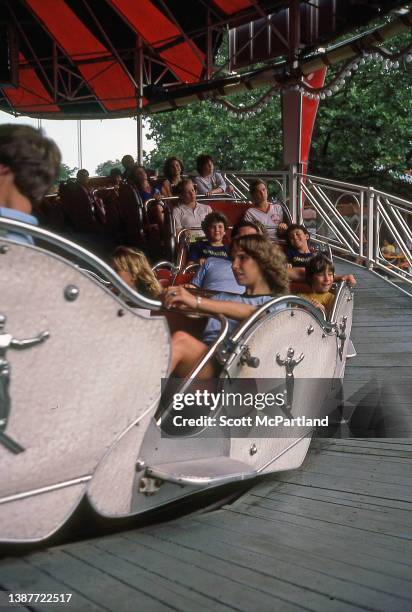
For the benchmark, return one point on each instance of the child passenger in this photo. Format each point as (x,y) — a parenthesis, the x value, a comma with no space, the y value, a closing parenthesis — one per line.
(320,276)
(298,252)
(214,226)
(134,269)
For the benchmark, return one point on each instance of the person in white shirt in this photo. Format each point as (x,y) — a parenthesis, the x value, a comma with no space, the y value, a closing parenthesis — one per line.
(189,213)
(269,214)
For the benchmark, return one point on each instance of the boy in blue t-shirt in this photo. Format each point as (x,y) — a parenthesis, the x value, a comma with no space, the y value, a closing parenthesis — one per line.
(298,251)
(214,226)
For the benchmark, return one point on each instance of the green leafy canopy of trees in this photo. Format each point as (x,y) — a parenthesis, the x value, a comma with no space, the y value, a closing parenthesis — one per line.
(104,168)
(66,172)
(362,134)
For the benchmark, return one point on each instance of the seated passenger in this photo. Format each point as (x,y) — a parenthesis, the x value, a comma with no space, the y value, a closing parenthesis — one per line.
(208,182)
(85,212)
(127,163)
(270,214)
(134,269)
(214,226)
(216,273)
(115,177)
(189,213)
(29,165)
(298,252)
(320,277)
(388,250)
(173,170)
(259,266)
(138,176)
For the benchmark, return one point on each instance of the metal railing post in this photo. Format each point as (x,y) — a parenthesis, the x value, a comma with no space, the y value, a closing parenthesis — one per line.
(373,229)
(293,192)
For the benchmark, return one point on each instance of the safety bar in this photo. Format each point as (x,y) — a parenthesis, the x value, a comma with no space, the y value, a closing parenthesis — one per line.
(287,300)
(78,251)
(165,264)
(341,288)
(224,328)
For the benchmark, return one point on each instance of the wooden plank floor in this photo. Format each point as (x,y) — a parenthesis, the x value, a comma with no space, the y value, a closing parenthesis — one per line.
(333,536)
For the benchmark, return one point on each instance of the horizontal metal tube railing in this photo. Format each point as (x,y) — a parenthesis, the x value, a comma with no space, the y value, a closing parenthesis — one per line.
(78,251)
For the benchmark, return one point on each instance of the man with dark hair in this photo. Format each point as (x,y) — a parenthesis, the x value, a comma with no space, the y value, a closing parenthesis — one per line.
(127,163)
(29,164)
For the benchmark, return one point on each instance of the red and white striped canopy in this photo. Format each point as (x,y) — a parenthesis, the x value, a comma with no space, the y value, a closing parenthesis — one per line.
(81,58)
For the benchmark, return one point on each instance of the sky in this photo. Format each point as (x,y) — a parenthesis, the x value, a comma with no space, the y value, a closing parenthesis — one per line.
(101,140)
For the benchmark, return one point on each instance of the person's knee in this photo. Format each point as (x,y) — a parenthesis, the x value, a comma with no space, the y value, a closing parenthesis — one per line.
(180,340)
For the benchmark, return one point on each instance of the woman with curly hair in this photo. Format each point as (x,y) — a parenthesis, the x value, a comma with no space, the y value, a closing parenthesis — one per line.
(173,170)
(260,267)
(134,269)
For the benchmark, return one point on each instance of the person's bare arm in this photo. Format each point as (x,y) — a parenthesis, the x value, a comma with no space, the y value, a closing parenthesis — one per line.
(178,297)
(215,191)
(299,275)
(349,278)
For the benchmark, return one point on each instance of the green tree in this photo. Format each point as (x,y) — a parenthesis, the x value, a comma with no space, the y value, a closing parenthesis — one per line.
(66,172)
(104,168)
(362,134)
(253,143)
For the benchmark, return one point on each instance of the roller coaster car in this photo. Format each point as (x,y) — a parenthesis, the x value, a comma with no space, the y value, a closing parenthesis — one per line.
(80,384)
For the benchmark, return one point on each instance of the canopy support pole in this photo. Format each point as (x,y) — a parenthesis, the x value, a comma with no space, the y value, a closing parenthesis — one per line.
(292,116)
(79,144)
(139,117)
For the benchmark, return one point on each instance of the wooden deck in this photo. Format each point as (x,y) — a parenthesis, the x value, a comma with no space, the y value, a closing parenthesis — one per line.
(333,536)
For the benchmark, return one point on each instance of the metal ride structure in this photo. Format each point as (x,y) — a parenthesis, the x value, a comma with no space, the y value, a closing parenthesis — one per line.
(353,219)
(63,408)
(63,411)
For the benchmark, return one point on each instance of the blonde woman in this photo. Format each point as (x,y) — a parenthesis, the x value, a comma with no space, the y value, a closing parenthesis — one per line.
(134,269)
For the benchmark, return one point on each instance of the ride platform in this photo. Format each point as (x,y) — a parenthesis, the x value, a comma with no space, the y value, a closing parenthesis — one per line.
(334,535)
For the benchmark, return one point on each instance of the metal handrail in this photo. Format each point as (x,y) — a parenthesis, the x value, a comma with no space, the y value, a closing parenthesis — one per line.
(340,290)
(327,326)
(165,264)
(68,246)
(224,328)
(375,211)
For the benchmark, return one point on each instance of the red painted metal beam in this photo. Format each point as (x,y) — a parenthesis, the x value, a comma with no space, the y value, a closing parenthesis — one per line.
(156,29)
(106,78)
(31,95)
(233,6)
(309,111)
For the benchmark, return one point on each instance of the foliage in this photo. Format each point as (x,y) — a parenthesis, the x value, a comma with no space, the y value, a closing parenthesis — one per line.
(66,172)
(238,144)
(104,168)
(363,134)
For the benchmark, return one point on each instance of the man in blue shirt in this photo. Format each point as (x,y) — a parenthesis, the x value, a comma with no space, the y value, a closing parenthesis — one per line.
(29,164)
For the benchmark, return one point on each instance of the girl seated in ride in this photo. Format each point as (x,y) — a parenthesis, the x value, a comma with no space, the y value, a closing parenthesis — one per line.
(134,269)
(298,251)
(259,266)
(173,170)
(320,276)
(214,226)
(270,214)
(139,178)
